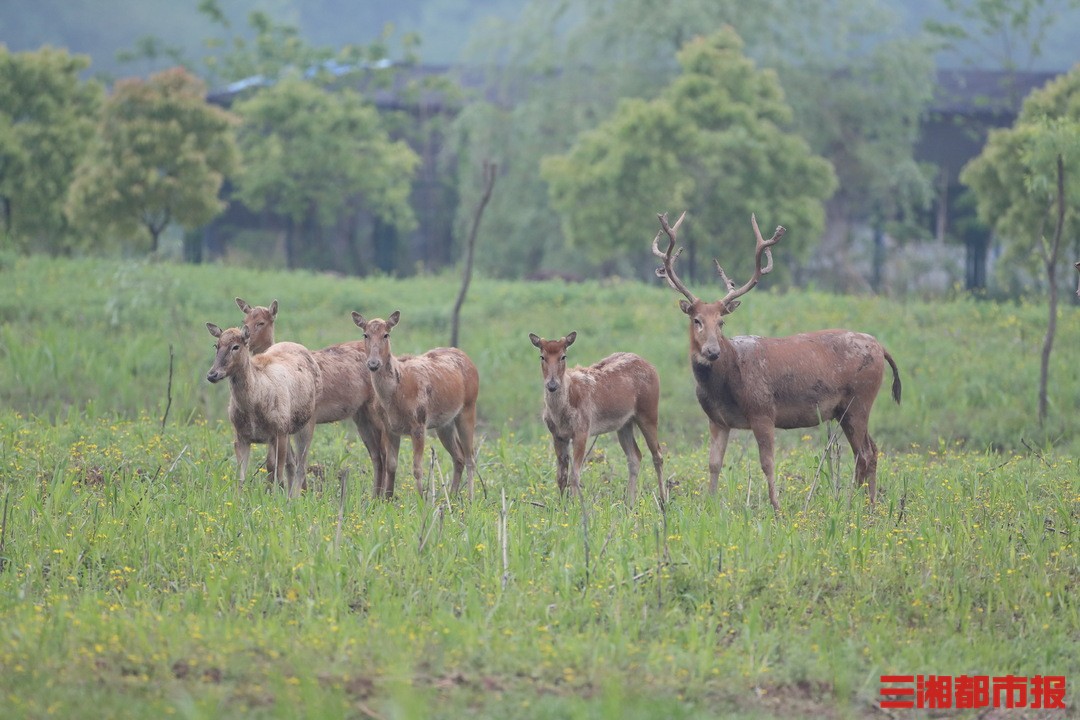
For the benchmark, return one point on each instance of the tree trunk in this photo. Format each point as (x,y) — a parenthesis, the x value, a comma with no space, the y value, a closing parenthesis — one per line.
(1051,256)
(470,247)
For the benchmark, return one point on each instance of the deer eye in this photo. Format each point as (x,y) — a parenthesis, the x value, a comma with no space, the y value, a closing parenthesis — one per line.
(386,336)
(235,348)
(365,336)
(698,323)
(562,359)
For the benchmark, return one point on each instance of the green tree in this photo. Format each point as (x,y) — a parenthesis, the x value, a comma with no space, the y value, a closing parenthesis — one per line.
(46,122)
(311,154)
(712,142)
(161,156)
(1026,188)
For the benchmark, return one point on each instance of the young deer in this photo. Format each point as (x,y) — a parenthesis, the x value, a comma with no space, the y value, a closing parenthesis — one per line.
(272,396)
(759,383)
(344,393)
(435,390)
(620,391)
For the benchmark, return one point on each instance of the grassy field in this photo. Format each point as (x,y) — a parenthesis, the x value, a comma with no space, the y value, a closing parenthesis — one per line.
(137,580)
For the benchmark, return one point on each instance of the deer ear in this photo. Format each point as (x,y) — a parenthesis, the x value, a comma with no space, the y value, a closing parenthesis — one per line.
(214,329)
(536,339)
(393,319)
(273,309)
(730,306)
(244,307)
(245,333)
(571,338)
(685,306)
(359,320)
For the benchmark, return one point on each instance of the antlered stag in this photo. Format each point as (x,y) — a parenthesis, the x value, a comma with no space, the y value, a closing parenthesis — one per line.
(620,391)
(272,396)
(435,390)
(760,383)
(345,390)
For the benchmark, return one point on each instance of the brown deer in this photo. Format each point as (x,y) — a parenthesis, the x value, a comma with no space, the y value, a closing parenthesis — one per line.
(760,384)
(344,393)
(272,396)
(620,391)
(435,390)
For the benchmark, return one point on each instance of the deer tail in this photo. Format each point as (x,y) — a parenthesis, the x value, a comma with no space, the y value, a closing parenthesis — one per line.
(895,378)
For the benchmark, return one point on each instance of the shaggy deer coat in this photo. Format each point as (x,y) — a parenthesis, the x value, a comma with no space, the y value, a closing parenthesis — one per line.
(272,397)
(613,395)
(436,390)
(345,391)
(761,384)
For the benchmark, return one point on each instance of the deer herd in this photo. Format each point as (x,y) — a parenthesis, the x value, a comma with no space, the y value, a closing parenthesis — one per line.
(279,391)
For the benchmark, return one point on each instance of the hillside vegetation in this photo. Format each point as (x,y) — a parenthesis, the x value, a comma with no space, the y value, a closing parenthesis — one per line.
(95,336)
(138,579)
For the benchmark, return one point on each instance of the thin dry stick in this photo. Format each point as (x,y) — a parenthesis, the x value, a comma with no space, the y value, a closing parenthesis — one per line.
(603,548)
(168,390)
(470,249)
(585,535)
(343,477)
(436,514)
(3,531)
(505,542)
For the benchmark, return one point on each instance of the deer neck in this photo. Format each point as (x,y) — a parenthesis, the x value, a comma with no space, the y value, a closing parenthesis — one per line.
(387,379)
(242,380)
(557,405)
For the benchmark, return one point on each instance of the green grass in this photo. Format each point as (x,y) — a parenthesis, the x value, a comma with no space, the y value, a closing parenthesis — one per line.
(137,580)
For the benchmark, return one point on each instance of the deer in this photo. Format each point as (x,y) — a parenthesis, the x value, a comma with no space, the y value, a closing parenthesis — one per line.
(765,383)
(436,390)
(272,397)
(344,393)
(613,395)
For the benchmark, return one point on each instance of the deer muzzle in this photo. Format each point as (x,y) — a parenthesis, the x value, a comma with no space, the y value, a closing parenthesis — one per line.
(373,364)
(214,375)
(711,351)
(552,385)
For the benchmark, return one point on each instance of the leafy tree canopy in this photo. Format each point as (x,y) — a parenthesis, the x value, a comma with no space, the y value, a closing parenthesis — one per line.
(1015,177)
(711,143)
(46,121)
(309,153)
(161,156)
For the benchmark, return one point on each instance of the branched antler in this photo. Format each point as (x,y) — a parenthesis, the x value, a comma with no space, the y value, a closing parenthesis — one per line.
(667,271)
(763,248)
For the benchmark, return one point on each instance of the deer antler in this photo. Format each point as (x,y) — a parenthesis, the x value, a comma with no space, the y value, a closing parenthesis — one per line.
(668,270)
(763,247)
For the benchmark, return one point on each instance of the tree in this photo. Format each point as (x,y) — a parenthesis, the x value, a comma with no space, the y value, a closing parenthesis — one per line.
(310,155)
(46,122)
(858,95)
(1025,188)
(856,89)
(161,156)
(713,143)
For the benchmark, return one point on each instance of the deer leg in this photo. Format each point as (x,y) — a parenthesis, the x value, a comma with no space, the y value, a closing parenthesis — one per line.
(562,461)
(581,443)
(418,458)
(303,444)
(633,457)
(465,423)
(717,448)
(375,444)
(242,449)
(449,438)
(648,431)
(764,434)
(393,446)
(865,452)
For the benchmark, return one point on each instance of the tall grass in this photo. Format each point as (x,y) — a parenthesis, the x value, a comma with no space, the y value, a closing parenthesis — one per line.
(138,580)
(94,337)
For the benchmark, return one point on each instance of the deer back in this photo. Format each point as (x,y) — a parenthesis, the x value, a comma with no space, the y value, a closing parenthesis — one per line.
(443,381)
(346,382)
(796,381)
